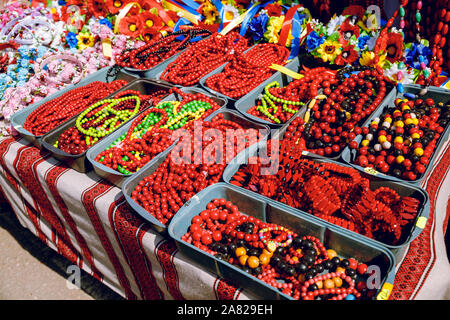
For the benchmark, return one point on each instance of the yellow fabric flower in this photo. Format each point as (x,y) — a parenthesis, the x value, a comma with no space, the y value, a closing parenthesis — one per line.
(368,58)
(329,50)
(210,12)
(273,29)
(85,40)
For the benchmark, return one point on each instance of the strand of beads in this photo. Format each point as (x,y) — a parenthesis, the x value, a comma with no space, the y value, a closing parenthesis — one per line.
(100,119)
(338,194)
(247,70)
(298,266)
(278,105)
(402,140)
(160,49)
(202,58)
(150,133)
(50,114)
(331,121)
(178,178)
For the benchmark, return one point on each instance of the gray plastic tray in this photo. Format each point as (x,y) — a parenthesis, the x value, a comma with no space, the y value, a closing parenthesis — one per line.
(131,182)
(117,178)
(79,162)
(438,95)
(403,189)
(301,114)
(19,118)
(249,100)
(345,244)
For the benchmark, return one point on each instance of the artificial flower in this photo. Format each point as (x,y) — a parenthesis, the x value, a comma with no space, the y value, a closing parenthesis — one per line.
(369,58)
(274,9)
(347,56)
(85,40)
(96,7)
(131,26)
(150,20)
(393,73)
(71,39)
(362,41)
(354,11)
(329,50)
(114,6)
(210,12)
(230,12)
(150,33)
(106,22)
(414,51)
(347,30)
(313,40)
(257,26)
(273,29)
(394,47)
(334,24)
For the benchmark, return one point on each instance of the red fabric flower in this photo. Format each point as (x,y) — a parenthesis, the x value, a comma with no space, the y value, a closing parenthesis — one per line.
(150,20)
(114,6)
(151,33)
(131,26)
(347,56)
(394,47)
(96,7)
(274,9)
(346,31)
(354,10)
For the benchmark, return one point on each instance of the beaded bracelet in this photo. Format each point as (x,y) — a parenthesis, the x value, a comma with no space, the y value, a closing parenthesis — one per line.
(272,245)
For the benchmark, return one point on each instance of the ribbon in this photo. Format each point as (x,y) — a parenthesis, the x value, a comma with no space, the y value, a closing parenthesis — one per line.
(286,71)
(177,27)
(296,33)
(219,6)
(123,13)
(287,24)
(187,12)
(192,4)
(251,13)
(235,22)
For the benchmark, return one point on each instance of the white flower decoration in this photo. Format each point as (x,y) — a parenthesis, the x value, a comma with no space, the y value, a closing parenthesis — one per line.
(230,13)
(392,73)
(334,24)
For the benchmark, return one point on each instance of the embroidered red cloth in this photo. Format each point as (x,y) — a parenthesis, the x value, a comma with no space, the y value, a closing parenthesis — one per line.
(87,220)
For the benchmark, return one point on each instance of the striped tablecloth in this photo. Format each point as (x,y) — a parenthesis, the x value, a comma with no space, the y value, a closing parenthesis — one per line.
(87,220)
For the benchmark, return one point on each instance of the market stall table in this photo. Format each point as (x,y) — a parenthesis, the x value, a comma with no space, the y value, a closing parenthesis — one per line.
(87,220)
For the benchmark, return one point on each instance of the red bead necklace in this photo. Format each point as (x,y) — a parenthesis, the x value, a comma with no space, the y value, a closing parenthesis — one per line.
(247,70)
(52,113)
(203,57)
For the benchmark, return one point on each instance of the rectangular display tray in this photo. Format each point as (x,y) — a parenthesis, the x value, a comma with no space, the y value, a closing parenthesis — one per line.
(19,118)
(403,189)
(130,183)
(116,177)
(79,162)
(438,95)
(346,245)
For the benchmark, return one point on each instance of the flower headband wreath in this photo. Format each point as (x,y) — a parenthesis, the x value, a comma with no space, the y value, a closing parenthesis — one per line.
(39,67)
(29,24)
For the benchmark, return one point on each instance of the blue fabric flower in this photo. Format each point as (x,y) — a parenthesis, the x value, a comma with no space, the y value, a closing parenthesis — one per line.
(257,26)
(106,22)
(71,39)
(362,41)
(412,55)
(62,2)
(313,40)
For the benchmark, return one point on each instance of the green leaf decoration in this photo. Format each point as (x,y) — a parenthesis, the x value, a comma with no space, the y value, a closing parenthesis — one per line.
(334,36)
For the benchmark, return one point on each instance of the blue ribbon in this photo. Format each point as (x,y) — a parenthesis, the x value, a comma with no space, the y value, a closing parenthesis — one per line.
(248,18)
(188,9)
(297,22)
(219,6)
(184,22)
(190,3)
